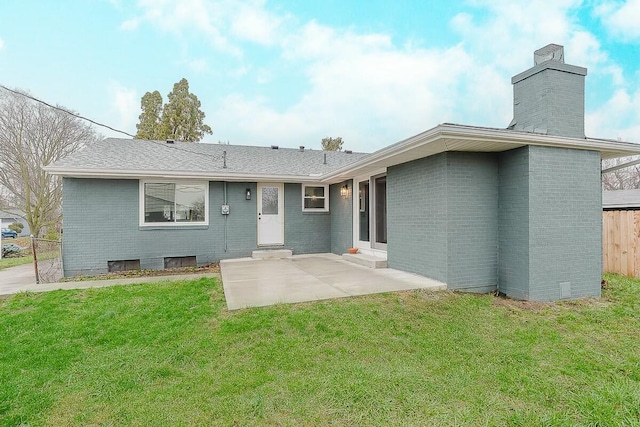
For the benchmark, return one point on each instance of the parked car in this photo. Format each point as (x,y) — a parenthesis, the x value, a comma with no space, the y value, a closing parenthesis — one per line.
(6,233)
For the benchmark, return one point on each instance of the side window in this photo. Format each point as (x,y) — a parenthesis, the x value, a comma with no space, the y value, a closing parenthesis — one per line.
(315,198)
(172,203)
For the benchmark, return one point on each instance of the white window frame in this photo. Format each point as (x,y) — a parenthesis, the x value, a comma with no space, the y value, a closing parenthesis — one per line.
(142,223)
(326,198)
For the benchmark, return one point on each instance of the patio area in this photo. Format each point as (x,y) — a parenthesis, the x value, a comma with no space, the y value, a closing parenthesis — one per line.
(252,282)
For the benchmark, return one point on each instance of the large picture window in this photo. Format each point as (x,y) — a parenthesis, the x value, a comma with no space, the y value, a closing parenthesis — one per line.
(315,198)
(174,203)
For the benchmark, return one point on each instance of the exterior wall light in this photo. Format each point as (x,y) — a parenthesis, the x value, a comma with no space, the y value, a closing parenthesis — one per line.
(344,191)
(247,194)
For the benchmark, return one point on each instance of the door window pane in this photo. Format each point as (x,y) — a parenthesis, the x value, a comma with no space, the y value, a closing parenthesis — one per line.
(363,192)
(269,200)
(313,191)
(314,203)
(381,209)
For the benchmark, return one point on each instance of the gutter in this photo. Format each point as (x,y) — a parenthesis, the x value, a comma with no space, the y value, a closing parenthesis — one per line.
(138,174)
(621,166)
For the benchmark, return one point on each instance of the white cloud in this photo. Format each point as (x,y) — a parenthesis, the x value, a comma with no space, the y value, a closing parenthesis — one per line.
(253,23)
(372,91)
(368,91)
(223,23)
(130,24)
(238,72)
(615,73)
(618,118)
(207,18)
(512,30)
(1,43)
(125,107)
(198,65)
(621,18)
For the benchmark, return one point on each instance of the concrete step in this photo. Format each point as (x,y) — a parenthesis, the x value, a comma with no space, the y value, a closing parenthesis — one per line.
(272,253)
(366,260)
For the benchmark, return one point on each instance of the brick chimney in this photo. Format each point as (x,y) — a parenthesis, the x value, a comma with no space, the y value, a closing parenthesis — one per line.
(549,97)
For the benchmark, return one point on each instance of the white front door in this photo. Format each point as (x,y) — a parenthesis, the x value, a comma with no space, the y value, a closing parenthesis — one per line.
(270,214)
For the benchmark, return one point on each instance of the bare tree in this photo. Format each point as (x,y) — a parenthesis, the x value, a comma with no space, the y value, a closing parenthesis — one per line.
(627,178)
(32,136)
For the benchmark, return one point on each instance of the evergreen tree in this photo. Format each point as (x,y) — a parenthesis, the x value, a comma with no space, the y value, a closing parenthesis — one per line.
(182,118)
(150,126)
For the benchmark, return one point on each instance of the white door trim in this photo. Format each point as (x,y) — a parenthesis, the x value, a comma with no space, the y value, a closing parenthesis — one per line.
(364,246)
(270,226)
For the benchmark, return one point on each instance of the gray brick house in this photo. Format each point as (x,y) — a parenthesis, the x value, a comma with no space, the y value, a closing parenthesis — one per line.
(480,209)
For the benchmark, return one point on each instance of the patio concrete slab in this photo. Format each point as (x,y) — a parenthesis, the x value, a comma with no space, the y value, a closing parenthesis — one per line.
(261,282)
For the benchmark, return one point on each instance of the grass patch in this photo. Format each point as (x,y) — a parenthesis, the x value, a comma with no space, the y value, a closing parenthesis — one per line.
(12,262)
(27,258)
(170,354)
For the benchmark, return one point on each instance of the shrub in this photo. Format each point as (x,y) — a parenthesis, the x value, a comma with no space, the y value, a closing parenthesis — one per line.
(16,226)
(52,234)
(11,250)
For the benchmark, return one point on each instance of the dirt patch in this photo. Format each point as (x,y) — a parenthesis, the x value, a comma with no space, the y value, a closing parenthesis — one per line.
(537,306)
(518,305)
(208,268)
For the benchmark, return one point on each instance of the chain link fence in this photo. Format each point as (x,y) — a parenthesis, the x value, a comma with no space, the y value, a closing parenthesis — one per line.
(47,259)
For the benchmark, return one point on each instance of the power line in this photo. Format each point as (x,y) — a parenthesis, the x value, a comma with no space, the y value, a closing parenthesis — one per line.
(78,116)
(65,111)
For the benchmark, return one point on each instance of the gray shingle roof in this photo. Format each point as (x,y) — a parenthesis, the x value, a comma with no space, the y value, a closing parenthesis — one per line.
(621,199)
(114,154)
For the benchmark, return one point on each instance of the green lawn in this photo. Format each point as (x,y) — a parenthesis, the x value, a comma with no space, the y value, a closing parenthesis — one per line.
(24,242)
(12,262)
(170,354)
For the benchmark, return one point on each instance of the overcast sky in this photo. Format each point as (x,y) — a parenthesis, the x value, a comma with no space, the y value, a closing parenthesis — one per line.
(292,72)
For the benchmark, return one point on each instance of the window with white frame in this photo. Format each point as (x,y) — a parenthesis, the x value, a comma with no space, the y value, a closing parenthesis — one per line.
(174,203)
(315,198)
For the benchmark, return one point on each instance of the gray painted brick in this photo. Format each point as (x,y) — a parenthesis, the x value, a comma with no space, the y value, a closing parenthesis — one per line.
(550,223)
(513,218)
(443,219)
(551,99)
(341,218)
(525,220)
(565,222)
(102,224)
(305,232)
(472,229)
(417,217)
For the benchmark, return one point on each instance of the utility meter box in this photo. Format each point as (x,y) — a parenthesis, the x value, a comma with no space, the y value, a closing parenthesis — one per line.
(225,210)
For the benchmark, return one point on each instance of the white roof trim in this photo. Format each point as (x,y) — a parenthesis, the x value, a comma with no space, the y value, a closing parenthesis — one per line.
(138,174)
(447,137)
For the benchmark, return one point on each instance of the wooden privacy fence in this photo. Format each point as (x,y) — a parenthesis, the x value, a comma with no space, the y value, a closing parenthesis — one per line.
(621,242)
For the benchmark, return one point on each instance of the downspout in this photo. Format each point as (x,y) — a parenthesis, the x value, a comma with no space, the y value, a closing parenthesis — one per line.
(225,216)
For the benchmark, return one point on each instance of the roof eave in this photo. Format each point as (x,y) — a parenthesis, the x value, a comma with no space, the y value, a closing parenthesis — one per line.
(447,137)
(210,176)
